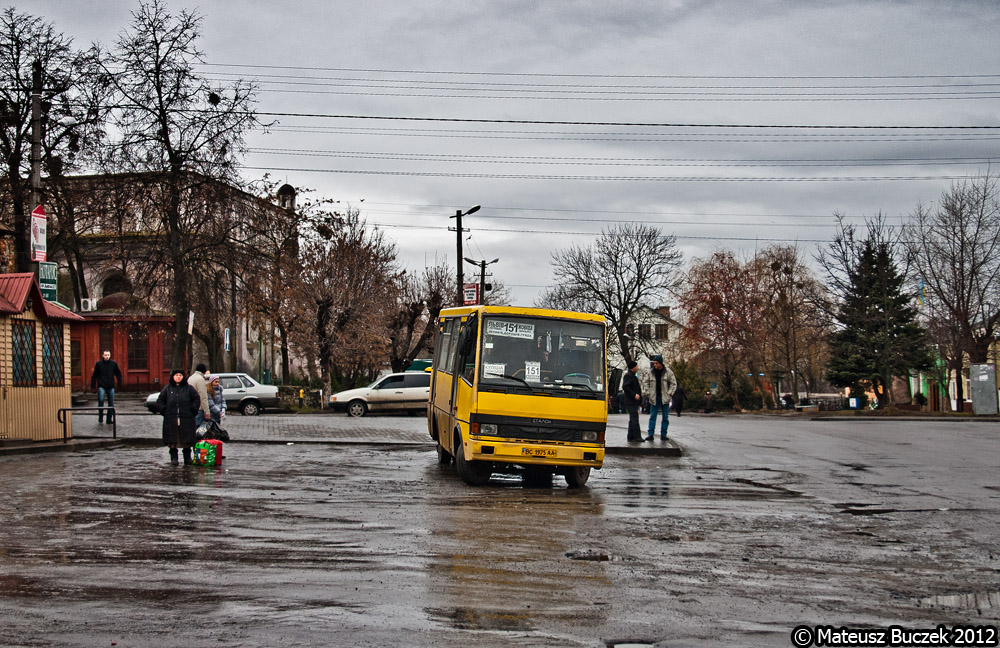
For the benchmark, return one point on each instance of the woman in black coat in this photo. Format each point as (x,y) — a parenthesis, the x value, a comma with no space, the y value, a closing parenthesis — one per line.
(178,403)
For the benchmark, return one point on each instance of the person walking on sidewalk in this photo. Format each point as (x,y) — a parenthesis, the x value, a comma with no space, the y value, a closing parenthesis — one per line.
(178,403)
(197,380)
(106,374)
(660,386)
(632,397)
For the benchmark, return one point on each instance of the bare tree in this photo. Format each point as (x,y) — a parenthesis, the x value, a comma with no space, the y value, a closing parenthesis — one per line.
(794,306)
(956,251)
(70,113)
(348,291)
(171,120)
(627,267)
(421,298)
(724,303)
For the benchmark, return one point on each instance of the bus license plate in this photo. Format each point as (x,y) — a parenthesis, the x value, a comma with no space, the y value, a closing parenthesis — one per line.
(538,452)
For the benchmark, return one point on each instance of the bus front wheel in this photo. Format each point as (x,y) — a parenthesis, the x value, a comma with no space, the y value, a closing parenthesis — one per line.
(577,476)
(473,473)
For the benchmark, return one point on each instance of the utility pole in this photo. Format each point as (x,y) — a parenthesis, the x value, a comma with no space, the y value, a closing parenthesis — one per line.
(36,134)
(482,276)
(459,300)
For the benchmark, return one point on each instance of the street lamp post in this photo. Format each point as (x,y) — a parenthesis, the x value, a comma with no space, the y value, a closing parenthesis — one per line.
(482,276)
(458,228)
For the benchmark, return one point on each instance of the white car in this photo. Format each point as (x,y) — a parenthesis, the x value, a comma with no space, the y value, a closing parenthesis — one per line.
(407,391)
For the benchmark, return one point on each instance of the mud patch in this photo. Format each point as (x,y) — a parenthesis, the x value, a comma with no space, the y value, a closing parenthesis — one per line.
(589,555)
(463,618)
(978,601)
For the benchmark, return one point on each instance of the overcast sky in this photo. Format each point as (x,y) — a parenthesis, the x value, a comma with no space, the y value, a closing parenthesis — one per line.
(629,74)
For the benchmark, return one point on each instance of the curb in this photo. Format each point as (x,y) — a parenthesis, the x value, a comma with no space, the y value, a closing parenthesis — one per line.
(73,445)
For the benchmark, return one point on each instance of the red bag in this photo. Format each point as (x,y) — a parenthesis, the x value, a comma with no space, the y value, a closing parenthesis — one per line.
(208,452)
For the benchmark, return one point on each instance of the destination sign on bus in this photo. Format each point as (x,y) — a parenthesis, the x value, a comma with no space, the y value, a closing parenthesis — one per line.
(510,329)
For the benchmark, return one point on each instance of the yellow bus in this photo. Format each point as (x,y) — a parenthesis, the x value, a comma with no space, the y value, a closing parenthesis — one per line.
(519,389)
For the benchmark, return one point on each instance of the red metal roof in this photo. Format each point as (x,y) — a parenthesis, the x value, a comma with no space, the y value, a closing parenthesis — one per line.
(15,289)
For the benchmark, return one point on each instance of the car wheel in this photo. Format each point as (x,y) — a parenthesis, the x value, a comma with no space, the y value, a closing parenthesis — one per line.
(473,473)
(250,408)
(357,408)
(577,476)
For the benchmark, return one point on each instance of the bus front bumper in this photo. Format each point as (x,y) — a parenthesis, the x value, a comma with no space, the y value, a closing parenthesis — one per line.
(543,454)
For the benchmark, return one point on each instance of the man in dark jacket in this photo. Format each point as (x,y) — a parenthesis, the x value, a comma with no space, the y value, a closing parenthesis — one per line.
(106,374)
(633,397)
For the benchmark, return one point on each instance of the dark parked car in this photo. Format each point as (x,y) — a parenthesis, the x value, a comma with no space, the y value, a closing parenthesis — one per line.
(242,393)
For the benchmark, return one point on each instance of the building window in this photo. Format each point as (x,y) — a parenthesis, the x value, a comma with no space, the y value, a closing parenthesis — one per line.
(168,348)
(105,340)
(75,358)
(23,350)
(645,332)
(52,355)
(138,347)
(630,330)
(662,332)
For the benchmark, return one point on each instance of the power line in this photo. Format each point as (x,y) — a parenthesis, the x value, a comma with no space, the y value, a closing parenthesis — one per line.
(602,76)
(639,162)
(538,176)
(543,122)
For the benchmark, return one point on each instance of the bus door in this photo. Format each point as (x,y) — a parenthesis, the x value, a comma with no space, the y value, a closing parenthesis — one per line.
(463,371)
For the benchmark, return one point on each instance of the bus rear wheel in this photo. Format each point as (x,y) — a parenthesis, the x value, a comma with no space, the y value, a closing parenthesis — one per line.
(444,457)
(473,473)
(577,476)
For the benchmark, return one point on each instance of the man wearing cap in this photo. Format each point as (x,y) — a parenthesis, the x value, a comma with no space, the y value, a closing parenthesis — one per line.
(633,396)
(660,386)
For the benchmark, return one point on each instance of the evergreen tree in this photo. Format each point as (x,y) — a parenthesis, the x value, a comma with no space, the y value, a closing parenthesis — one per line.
(879,336)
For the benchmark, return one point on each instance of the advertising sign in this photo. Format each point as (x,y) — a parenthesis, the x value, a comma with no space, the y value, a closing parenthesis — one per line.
(47,280)
(470,294)
(38,244)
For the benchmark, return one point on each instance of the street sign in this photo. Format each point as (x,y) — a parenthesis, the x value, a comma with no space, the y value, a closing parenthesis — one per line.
(470,294)
(38,240)
(48,274)
(228,345)
(190,322)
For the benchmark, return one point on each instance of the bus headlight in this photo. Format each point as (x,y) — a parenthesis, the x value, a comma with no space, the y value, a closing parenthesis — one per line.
(589,435)
(487,428)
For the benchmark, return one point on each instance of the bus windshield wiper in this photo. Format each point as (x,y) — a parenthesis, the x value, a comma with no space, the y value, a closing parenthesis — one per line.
(520,380)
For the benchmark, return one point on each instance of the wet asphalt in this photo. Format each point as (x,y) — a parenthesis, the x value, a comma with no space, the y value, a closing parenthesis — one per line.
(323,533)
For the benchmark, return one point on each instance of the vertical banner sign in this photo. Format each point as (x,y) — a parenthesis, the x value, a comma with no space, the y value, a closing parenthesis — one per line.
(38,242)
(48,274)
(190,322)
(228,347)
(470,293)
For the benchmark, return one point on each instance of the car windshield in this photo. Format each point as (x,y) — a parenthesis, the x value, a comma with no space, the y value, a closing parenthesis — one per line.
(542,353)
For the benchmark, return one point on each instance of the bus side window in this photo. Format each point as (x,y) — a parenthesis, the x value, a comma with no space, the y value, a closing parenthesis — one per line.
(448,342)
(467,349)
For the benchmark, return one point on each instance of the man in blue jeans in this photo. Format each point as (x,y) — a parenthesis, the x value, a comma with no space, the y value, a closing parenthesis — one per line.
(106,374)
(660,386)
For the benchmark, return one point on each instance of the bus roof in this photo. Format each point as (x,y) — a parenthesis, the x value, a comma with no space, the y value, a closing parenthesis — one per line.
(521,310)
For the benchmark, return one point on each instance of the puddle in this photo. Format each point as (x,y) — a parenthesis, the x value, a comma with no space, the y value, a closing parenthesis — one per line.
(970,601)
(593,556)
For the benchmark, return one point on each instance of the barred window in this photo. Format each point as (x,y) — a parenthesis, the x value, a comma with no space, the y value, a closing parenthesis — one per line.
(23,350)
(662,331)
(645,331)
(138,347)
(52,355)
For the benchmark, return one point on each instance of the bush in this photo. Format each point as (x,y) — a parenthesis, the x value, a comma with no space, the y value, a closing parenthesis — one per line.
(920,399)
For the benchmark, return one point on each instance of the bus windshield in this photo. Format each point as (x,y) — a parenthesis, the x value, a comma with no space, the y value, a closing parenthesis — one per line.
(542,353)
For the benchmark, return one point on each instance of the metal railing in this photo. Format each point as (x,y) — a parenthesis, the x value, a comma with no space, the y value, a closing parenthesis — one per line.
(111,413)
